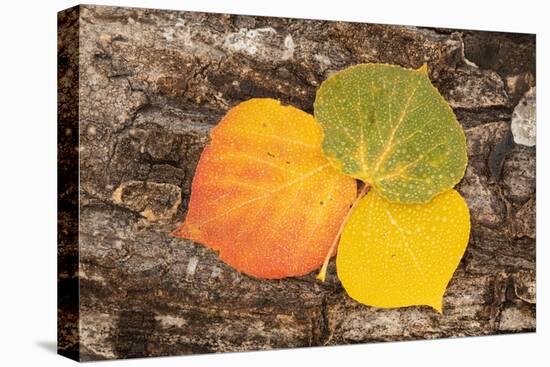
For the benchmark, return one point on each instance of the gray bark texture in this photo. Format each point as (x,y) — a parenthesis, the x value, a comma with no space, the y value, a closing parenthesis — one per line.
(139,92)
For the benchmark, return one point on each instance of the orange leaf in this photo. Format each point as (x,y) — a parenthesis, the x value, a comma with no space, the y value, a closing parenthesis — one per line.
(264,195)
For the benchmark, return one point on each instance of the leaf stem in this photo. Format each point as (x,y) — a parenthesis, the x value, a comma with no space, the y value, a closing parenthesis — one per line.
(323,272)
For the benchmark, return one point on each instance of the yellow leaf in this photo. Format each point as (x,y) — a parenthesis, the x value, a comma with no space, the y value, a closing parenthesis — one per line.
(396,255)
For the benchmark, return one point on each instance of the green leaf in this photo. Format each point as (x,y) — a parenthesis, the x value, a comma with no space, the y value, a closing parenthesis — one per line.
(389,126)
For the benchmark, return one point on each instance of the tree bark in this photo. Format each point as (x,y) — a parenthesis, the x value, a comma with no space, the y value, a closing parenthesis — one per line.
(153,83)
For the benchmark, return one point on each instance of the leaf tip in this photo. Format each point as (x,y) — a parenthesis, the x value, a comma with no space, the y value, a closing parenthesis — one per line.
(176,233)
(183,231)
(437,305)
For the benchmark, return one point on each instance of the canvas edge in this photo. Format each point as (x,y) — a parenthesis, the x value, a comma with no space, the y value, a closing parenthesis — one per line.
(68,310)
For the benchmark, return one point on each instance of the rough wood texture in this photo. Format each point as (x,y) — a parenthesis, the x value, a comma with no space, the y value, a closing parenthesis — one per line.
(67,178)
(152,85)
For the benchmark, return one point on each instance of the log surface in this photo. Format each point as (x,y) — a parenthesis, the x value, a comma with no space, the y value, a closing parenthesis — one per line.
(153,83)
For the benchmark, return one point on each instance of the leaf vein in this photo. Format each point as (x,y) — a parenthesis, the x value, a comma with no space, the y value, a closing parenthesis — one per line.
(267,195)
(389,146)
(398,172)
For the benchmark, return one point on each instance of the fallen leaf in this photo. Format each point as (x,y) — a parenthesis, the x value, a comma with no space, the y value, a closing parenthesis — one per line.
(264,195)
(396,255)
(389,127)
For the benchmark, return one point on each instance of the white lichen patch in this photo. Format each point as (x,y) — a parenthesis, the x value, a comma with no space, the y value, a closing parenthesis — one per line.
(216,272)
(180,22)
(169,321)
(524,119)
(262,43)
(289,48)
(323,60)
(192,266)
(248,41)
(168,34)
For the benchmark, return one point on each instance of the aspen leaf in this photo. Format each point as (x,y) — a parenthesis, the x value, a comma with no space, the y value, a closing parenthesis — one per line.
(389,126)
(396,255)
(264,195)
